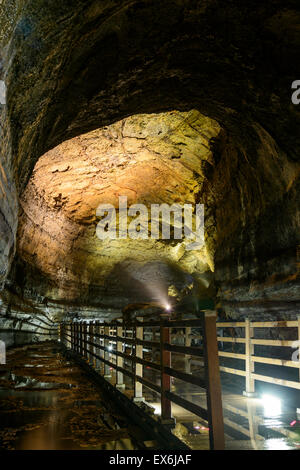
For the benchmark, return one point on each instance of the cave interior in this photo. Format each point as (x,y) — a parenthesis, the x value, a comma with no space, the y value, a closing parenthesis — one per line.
(178,102)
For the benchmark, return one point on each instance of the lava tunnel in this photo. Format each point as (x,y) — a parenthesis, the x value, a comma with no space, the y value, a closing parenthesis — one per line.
(182,109)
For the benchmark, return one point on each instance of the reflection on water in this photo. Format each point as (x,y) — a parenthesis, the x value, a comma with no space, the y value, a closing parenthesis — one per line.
(47,403)
(268,422)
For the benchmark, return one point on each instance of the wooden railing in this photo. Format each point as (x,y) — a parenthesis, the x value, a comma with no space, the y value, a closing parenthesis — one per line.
(247,338)
(122,347)
(126,349)
(250,358)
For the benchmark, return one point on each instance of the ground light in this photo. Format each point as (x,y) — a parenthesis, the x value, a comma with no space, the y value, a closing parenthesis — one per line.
(272,405)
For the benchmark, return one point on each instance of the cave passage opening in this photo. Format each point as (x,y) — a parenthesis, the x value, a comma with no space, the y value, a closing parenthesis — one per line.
(148,159)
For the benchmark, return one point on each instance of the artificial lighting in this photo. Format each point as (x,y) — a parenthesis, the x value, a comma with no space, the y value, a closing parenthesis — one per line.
(157,408)
(272,405)
(168,307)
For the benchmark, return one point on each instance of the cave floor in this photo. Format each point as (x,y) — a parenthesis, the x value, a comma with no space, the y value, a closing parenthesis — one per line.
(48,403)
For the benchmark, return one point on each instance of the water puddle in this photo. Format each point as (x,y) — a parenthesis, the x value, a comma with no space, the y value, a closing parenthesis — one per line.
(52,405)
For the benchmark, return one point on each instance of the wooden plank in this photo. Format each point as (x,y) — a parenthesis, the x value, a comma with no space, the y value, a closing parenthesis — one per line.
(230,340)
(138,386)
(230,324)
(273,380)
(213,382)
(149,384)
(182,323)
(277,362)
(106,335)
(190,406)
(120,360)
(232,355)
(274,324)
(152,365)
(249,350)
(188,378)
(188,343)
(272,342)
(192,351)
(229,370)
(129,373)
(165,362)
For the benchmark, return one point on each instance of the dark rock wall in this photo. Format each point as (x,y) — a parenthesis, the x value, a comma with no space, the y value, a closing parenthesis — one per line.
(77,65)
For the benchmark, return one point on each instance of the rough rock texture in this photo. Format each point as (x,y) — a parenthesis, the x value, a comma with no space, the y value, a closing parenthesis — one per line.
(160,158)
(75,66)
(147,158)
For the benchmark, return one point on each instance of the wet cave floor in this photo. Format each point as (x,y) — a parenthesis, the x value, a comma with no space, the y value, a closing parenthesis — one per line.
(48,403)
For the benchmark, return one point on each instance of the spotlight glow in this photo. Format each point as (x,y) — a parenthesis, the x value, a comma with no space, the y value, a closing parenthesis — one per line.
(272,405)
(168,307)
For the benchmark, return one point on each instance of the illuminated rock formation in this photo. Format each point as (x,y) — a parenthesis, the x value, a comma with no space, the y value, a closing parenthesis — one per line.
(82,78)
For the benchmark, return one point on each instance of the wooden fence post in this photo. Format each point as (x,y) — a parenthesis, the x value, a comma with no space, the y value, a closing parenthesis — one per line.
(85,345)
(90,339)
(73,336)
(71,333)
(165,361)
(68,338)
(188,342)
(77,338)
(97,342)
(138,368)
(101,342)
(86,339)
(80,338)
(213,382)
(120,361)
(249,364)
(107,372)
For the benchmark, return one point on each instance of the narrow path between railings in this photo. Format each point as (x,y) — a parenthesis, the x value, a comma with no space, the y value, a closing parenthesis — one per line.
(49,402)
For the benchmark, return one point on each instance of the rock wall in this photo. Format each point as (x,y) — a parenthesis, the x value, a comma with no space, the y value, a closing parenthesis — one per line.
(76,66)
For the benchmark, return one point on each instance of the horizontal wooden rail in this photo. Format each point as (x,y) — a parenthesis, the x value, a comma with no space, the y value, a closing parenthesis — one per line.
(106,344)
(274,380)
(127,372)
(190,406)
(231,355)
(272,342)
(230,340)
(130,361)
(230,370)
(184,350)
(249,356)
(188,378)
(276,362)
(274,324)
